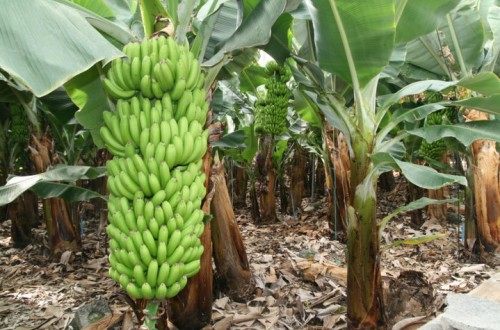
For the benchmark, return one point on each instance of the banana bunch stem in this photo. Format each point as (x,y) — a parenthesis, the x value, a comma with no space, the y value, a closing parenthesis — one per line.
(151,315)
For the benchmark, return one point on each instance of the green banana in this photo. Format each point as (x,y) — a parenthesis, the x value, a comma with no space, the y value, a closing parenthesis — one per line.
(159,216)
(146,86)
(164,171)
(173,290)
(174,274)
(179,148)
(147,291)
(127,75)
(176,255)
(113,273)
(138,275)
(145,254)
(134,291)
(171,224)
(113,145)
(162,252)
(123,280)
(165,133)
(192,268)
(173,241)
(137,239)
(112,167)
(159,197)
(135,259)
(116,92)
(177,90)
(135,72)
(172,187)
(163,272)
(171,155)
(142,223)
(144,183)
(152,273)
(154,226)
(134,128)
(162,234)
(155,115)
(167,209)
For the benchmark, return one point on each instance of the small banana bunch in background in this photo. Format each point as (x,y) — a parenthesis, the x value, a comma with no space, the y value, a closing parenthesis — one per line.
(271,112)
(436,149)
(155,179)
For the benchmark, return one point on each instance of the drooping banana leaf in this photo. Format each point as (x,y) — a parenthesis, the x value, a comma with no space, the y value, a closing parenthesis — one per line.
(48,183)
(254,31)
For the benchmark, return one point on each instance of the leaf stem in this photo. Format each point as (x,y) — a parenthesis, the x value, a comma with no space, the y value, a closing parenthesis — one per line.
(464,72)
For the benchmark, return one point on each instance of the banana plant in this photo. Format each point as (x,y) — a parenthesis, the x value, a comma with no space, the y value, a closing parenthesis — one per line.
(465,43)
(354,42)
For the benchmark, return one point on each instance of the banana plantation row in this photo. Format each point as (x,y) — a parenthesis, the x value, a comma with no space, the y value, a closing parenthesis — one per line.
(132,105)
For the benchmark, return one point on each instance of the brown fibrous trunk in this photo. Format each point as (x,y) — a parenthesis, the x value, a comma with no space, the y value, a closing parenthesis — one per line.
(485,170)
(336,181)
(240,185)
(265,181)
(413,193)
(21,223)
(61,233)
(231,262)
(297,179)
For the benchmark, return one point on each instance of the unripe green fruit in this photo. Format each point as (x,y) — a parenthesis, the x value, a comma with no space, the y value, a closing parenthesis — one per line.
(156,136)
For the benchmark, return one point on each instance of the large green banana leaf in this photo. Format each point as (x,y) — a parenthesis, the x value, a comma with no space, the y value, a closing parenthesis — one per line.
(280,42)
(47,184)
(420,175)
(217,20)
(437,51)
(494,22)
(87,92)
(254,31)
(355,39)
(409,28)
(46,43)
(465,133)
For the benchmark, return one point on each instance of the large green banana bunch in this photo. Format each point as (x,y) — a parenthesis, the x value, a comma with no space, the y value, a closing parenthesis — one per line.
(271,112)
(155,179)
(432,150)
(436,149)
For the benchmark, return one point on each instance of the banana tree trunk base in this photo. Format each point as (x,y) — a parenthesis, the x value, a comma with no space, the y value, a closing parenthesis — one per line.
(485,171)
(365,307)
(231,262)
(265,181)
(21,223)
(336,181)
(240,185)
(62,234)
(437,211)
(297,179)
(487,194)
(414,193)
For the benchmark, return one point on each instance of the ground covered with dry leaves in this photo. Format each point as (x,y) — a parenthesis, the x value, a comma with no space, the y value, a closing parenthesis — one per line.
(299,270)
